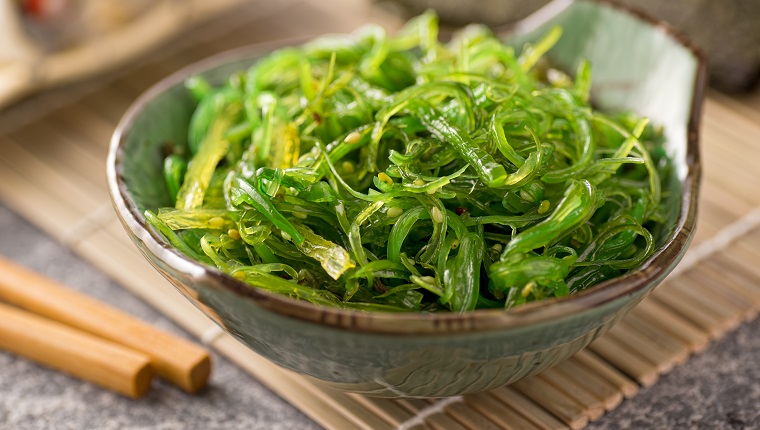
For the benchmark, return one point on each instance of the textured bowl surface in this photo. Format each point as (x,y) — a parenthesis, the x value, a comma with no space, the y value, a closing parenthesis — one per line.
(638,65)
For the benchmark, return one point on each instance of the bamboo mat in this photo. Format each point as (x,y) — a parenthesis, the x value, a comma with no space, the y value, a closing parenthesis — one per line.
(52,172)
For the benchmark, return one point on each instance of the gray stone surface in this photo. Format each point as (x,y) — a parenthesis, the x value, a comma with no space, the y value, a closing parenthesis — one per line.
(719,389)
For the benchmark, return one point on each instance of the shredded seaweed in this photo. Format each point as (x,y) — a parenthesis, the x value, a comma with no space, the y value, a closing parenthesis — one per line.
(399,173)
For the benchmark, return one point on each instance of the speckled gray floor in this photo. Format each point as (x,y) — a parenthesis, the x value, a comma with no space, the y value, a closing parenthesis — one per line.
(719,389)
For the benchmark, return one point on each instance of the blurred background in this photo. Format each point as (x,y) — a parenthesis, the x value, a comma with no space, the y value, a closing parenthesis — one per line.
(48,43)
(728,30)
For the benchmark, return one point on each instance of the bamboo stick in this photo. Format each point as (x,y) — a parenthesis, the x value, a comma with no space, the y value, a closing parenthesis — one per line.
(705,231)
(342,402)
(736,126)
(469,418)
(740,181)
(740,257)
(534,412)
(176,360)
(108,104)
(749,246)
(92,130)
(384,408)
(553,400)
(726,197)
(692,309)
(722,287)
(600,388)
(629,361)
(502,415)
(738,271)
(734,134)
(34,202)
(629,338)
(673,323)
(412,405)
(592,406)
(748,106)
(729,152)
(442,421)
(715,216)
(715,297)
(50,177)
(677,346)
(605,370)
(77,353)
(55,145)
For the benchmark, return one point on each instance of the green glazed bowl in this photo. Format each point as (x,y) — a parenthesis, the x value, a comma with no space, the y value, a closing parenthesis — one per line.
(638,64)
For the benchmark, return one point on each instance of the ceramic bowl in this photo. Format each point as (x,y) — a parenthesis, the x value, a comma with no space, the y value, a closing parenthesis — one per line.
(638,64)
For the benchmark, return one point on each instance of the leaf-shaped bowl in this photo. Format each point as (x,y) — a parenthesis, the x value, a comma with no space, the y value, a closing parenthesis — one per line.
(638,64)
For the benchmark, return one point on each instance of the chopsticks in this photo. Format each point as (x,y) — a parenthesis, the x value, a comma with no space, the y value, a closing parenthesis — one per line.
(85,356)
(91,340)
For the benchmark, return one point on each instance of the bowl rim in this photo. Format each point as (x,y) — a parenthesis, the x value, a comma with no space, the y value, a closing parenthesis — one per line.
(416,323)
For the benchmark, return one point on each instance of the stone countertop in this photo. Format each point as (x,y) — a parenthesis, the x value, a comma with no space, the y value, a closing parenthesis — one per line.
(719,389)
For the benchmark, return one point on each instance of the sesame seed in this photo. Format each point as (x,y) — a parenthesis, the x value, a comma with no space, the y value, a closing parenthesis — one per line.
(528,288)
(385,178)
(427,279)
(216,223)
(234,234)
(353,137)
(348,167)
(544,206)
(419,182)
(436,215)
(394,212)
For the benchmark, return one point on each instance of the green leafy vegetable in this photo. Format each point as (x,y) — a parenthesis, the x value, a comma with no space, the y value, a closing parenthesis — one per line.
(398,173)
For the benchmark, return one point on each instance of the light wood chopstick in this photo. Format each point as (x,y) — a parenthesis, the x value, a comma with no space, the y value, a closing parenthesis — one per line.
(83,355)
(174,359)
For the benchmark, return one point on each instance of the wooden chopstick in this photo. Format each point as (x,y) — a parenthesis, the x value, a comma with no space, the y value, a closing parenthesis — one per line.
(174,359)
(53,344)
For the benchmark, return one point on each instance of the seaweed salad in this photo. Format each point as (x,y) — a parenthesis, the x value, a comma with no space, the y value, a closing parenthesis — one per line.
(402,173)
